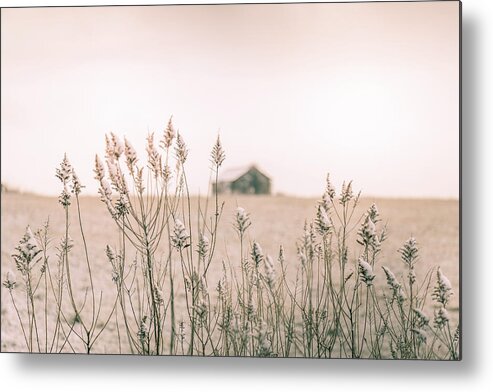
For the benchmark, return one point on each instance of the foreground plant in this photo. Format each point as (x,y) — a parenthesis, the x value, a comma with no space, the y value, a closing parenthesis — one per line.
(166,302)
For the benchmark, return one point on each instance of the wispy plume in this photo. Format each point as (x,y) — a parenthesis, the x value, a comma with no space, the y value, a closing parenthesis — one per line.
(64,174)
(179,236)
(169,134)
(181,150)
(257,253)
(270,272)
(365,272)
(242,221)
(218,155)
(409,252)
(443,288)
(99,171)
(131,156)
(322,221)
(153,156)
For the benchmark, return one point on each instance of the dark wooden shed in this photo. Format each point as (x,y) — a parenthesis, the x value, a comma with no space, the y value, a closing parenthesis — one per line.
(244,180)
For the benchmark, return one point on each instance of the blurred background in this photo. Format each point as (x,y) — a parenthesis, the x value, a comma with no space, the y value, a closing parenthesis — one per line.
(368,92)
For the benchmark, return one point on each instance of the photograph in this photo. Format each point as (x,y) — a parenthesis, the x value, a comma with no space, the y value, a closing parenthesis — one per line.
(232,180)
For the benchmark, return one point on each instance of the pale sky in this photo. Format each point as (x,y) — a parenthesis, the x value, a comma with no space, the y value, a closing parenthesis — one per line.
(368,92)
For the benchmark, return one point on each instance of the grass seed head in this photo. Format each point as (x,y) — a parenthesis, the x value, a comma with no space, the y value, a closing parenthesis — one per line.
(365,272)
(64,172)
(270,272)
(8,283)
(257,253)
(391,279)
(421,319)
(117,145)
(242,221)
(203,246)
(143,333)
(27,251)
(98,168)
(443,288)
(169,134)
(441,317)
(114,147)
(373,213)
(322,222)
(280,257)
(329,189)
(153,157)
(181,150)
(131,156)
(76,184)
(179,237)
(218,155)
(396,287)
(105,190)
(346,193)
(409,252)
(139,180)
(367,233)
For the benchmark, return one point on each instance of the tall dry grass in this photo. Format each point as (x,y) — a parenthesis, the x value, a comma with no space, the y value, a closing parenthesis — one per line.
(166,302)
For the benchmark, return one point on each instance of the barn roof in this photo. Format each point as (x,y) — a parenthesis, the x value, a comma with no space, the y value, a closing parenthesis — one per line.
(232,174)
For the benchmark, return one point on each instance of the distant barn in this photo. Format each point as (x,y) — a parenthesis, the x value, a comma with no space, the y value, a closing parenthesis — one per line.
(245,180)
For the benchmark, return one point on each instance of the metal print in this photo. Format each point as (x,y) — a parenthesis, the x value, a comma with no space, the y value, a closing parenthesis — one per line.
(185,180)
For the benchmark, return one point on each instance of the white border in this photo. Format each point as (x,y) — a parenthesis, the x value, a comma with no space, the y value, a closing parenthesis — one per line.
(81,373)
